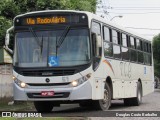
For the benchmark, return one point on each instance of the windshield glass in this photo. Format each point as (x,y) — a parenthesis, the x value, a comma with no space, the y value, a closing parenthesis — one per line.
(38,48)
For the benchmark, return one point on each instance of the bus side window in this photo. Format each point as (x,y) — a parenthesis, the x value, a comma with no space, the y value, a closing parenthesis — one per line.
(116,44)
(140,53)
(133,51)
(96,28)
(124,48)
(150,52)
(132,42)
(114,36)
(108,47)
(106,34)
(97,43)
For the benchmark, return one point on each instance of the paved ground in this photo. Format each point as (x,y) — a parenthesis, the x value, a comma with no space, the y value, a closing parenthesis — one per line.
(150,103)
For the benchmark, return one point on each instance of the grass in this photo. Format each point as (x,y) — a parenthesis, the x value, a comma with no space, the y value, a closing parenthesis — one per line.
(22,106)
(28,106)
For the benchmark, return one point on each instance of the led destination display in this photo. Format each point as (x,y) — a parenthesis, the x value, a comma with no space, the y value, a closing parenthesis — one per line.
(51,19)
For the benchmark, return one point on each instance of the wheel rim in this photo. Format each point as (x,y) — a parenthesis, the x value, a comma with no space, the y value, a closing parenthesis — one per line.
(105,102)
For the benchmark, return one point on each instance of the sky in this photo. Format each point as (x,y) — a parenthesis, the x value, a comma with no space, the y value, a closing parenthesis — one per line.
(141,16)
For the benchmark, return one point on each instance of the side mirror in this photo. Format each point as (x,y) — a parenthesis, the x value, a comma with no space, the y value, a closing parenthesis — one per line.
(94,43)
(7,38)
(97,45)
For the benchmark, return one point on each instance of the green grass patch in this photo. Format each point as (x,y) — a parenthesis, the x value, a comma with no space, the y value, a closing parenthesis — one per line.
(16,106)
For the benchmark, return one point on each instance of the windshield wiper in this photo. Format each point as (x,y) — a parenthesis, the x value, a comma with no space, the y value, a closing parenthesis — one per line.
(62,38)
(42,45)
(37,39)
(35,36)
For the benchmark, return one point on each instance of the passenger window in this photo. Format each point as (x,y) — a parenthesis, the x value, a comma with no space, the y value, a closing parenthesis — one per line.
(96,28)
(125,53)
(114,37)
(108,49)
(132,43)
(145,47)
(138,44)
(149,48)
(124,40)
(133,55)
(116,51)
(106,34)
(147,59)
(140,57)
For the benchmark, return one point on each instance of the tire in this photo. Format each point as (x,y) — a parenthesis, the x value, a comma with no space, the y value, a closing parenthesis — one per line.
(136,101)
(106,102)
(43,106)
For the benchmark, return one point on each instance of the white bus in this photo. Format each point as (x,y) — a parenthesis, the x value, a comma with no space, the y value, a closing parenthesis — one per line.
(64,56)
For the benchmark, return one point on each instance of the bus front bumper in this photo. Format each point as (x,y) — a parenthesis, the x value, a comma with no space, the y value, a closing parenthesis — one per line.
(81,92)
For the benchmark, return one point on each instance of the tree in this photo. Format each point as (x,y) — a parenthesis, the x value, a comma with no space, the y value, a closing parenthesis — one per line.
(156,54)
(10,8)
(4,25)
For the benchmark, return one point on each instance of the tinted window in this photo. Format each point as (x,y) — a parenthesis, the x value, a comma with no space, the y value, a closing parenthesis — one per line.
(124,40)
(116,51)
(145,47)
(133,55)
(149,48)
(108,49)
(125,53)
(106,34)
(96,28)
(147,59)
(114,36)
(138,44)
(132,43)
(140,57)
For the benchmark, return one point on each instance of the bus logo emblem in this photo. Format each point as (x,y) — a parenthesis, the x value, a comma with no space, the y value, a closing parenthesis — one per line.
(47,80)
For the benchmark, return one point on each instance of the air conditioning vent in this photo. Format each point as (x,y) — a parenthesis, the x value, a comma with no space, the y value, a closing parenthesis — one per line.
(47,72)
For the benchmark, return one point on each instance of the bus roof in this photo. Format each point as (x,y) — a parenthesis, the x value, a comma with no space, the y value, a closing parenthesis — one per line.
(92,16)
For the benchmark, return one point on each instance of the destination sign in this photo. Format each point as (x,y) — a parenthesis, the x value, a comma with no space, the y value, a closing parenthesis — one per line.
(51,19)
(45,20)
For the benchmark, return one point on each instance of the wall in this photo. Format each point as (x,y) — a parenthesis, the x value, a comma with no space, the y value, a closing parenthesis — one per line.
(6,87)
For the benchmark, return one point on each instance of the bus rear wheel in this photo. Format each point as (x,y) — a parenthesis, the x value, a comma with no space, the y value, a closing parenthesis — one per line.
(105,103)
(43,106)
(136,101)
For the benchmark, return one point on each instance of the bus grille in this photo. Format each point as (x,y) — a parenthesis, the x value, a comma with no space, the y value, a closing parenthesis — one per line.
(48,72)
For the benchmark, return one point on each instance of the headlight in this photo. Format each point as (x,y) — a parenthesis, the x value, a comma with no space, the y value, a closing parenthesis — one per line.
(19,83)
(81,80)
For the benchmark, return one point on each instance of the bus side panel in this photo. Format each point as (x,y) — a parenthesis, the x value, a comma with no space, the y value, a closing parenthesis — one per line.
(98,83)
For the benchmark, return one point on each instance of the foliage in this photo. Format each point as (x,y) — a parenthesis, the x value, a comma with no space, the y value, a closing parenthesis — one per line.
(156,54)
(10,8)
(4,25)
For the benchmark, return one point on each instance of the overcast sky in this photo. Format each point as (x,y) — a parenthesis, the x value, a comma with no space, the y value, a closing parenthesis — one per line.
(143,16)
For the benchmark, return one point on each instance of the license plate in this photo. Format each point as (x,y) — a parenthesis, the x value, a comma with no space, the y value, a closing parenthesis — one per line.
(47,93)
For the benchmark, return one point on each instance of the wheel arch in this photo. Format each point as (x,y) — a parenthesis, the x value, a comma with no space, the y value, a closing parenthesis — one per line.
(140,81)
(109,82)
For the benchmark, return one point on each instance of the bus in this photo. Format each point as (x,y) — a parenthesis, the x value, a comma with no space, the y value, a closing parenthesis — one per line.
(66,56)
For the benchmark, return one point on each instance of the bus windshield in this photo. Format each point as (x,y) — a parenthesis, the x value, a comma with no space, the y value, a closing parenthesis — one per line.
(39,48)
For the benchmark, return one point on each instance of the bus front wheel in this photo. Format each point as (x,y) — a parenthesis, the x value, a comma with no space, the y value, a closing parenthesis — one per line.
(43,106)
(105,103)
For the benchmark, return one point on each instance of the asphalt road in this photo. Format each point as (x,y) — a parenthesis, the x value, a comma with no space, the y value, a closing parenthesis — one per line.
(151,104)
